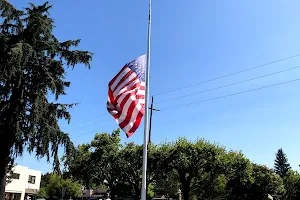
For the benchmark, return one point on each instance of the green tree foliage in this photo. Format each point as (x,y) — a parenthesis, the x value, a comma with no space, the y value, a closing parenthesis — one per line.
(105,158)
(281,164)
(202,170)
(42,193)
(45,179)
(118,166)
(239,176)
(32,68)
(209,186)
(54,184)
(80,165)
(158,162)
(159,172)
(158,159)
(266,181)
(292,185)
(125,190)
(211,183)
(189,159)
(167,185)
(150,191)
(132,155)
(106,161)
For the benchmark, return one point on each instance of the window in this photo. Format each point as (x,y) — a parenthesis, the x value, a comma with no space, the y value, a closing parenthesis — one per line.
(15,176)
(31,179)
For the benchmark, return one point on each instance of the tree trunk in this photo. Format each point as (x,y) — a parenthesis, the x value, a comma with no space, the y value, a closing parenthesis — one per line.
(186,191)
(185,183)
(5,145)
(113,192)
(8,129)
(137,192)
(2,181)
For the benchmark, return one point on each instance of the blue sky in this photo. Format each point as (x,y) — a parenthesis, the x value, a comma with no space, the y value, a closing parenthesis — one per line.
(192,41)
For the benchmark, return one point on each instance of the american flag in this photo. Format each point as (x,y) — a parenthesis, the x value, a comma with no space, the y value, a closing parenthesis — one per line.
(126,95)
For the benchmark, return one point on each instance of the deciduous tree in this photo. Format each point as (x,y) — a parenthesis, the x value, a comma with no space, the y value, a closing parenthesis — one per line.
(266,181)
(132,155)
(106,161)
(54,184)
(190,159)
(79,165)
(168,185)
(239,176)
(292,185)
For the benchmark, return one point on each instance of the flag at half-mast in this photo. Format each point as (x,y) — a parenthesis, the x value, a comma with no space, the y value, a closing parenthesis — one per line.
(126,95)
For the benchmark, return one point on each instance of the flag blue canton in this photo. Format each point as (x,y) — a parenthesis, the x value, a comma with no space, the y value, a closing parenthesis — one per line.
(139,67)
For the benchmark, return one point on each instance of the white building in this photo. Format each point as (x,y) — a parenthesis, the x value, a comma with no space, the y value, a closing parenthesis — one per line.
(25,182)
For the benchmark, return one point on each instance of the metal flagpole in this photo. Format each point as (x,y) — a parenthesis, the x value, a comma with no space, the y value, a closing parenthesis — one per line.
(144,175)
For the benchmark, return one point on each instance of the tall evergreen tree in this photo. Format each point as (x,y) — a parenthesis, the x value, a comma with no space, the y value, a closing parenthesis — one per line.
(281,164)
(32,68)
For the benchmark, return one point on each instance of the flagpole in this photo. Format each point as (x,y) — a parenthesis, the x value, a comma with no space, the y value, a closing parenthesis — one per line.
(144,175)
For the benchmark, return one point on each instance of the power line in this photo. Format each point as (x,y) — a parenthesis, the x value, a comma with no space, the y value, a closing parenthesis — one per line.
(77,136)
(233,94)
(227,75)
(210,80)
(102,121)
(89,125)
(176,89)
(66,127)
(228,85)
(215,98)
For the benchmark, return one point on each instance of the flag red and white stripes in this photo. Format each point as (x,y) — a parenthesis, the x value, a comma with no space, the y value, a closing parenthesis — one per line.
(126,95)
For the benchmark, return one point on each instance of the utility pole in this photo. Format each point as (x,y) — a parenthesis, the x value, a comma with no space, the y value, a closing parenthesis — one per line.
(151,110)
